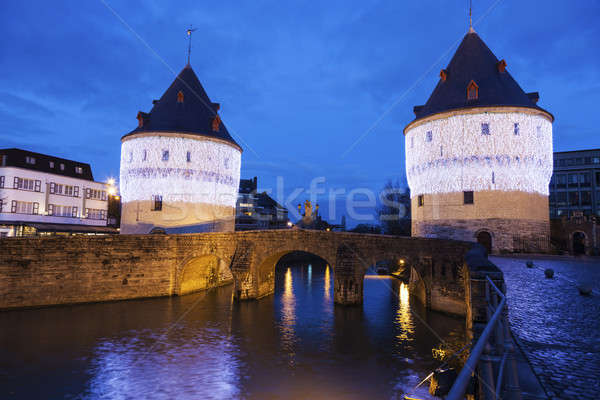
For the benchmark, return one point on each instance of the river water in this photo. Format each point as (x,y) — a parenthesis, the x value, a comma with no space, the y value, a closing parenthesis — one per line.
(294,344)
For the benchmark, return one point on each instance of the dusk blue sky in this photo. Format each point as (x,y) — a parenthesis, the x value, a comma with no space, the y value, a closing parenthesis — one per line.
(300,83)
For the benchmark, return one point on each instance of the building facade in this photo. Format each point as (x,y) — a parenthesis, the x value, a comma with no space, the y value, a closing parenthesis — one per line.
(479,156)
(575,184)
(180,168)
(256,210)
(42,194)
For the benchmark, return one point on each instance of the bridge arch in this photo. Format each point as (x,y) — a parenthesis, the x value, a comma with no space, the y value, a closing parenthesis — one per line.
(201,272)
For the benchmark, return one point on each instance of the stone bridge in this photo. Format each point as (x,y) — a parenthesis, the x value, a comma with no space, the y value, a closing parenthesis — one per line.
(42,271)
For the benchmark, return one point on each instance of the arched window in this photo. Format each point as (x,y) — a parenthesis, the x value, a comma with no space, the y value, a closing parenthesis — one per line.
(180,97)
(472,91)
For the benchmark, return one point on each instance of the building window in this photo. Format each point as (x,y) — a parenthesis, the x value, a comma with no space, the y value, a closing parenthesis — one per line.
(62,211)
(472,91)
(573,199)
(51,164)
(144,155)
(562,163)
(24,207)
(79,170)
(468,197)
(188,156)
(572,180)
(95,194)
(429,136)
(93,213)
(1,181)
(165,155)
(586,198)
(561,199)
(585,180)
(485,128)
(157,202)
(1,205)
(62,166)
(538,130)
(27,184)
(561,181)
(516,128)
(75,191)
(180,97)
(131,156)
(420,200)
(412,142)
(30,160)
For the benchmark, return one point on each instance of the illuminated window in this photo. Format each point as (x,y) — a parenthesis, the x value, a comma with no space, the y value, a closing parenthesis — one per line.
(51,163)
(468,197)
(30,160)
(156,202)
(79,170)
(429,136)
(516,128)
(485,128)
(62,166)
(165,155)
(421,200)
(180,97)
(472,91)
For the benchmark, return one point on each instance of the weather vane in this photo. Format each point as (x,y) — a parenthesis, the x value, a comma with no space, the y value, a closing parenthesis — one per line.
(470,15)
(189,33)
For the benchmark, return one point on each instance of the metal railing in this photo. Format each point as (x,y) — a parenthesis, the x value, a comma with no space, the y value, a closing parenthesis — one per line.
(494,351)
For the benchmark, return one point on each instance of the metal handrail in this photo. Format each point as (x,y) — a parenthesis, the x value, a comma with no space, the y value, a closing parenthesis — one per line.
(457,392)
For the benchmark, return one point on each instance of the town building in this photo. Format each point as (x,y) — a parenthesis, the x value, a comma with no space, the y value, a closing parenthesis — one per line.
(479,156)
(42,194)
(575,184)
(256,210)
(180,168)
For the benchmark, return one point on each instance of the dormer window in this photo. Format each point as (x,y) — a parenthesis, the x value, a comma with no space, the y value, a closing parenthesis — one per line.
(216,122)
(62,166)
(51,163)
(79,170)
(501,66)
(180,97)
(30,160)
(443,75)
(472,91)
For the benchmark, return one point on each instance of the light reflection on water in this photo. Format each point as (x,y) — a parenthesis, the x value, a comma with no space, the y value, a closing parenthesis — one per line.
(293,344)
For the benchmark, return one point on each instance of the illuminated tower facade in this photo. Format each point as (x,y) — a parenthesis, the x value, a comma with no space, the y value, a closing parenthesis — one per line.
(479,156)
(180,168)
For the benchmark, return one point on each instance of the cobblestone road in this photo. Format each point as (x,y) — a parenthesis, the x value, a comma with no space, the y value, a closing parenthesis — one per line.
(558,328)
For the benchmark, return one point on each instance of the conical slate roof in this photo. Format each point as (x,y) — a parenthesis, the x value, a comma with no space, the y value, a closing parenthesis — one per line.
(474,61)
(186,108)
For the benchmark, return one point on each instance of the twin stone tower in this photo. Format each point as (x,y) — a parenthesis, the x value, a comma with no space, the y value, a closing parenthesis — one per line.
(478,159)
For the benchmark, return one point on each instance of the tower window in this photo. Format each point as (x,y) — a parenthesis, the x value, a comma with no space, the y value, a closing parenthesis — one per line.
(420,200)
(429,136)
(493,178)
(468,197)
(472,91)
(516,128)
(156,202)
(188,156)
(412,142)
(180,97)
(165,155)
(144,155)
(485,128)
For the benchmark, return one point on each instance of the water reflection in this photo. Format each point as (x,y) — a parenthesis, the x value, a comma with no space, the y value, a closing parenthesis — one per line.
(288,312)
(327,286)
(294,344)
(404,318)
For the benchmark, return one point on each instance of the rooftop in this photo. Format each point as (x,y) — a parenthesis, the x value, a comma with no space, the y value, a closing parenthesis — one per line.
(44,163)
(474,65)
(184,107)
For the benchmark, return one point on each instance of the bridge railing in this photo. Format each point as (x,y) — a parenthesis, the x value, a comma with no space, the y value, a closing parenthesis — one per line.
(492,360)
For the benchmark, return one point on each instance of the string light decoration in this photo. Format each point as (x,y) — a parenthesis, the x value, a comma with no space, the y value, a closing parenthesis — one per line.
(211,176)
(504,158)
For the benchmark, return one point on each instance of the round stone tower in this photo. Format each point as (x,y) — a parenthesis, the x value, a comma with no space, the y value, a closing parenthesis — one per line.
(180,168)
(479,156)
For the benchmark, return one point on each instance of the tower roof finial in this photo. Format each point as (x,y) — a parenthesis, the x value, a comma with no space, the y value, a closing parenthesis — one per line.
(471,30)
(189,33)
